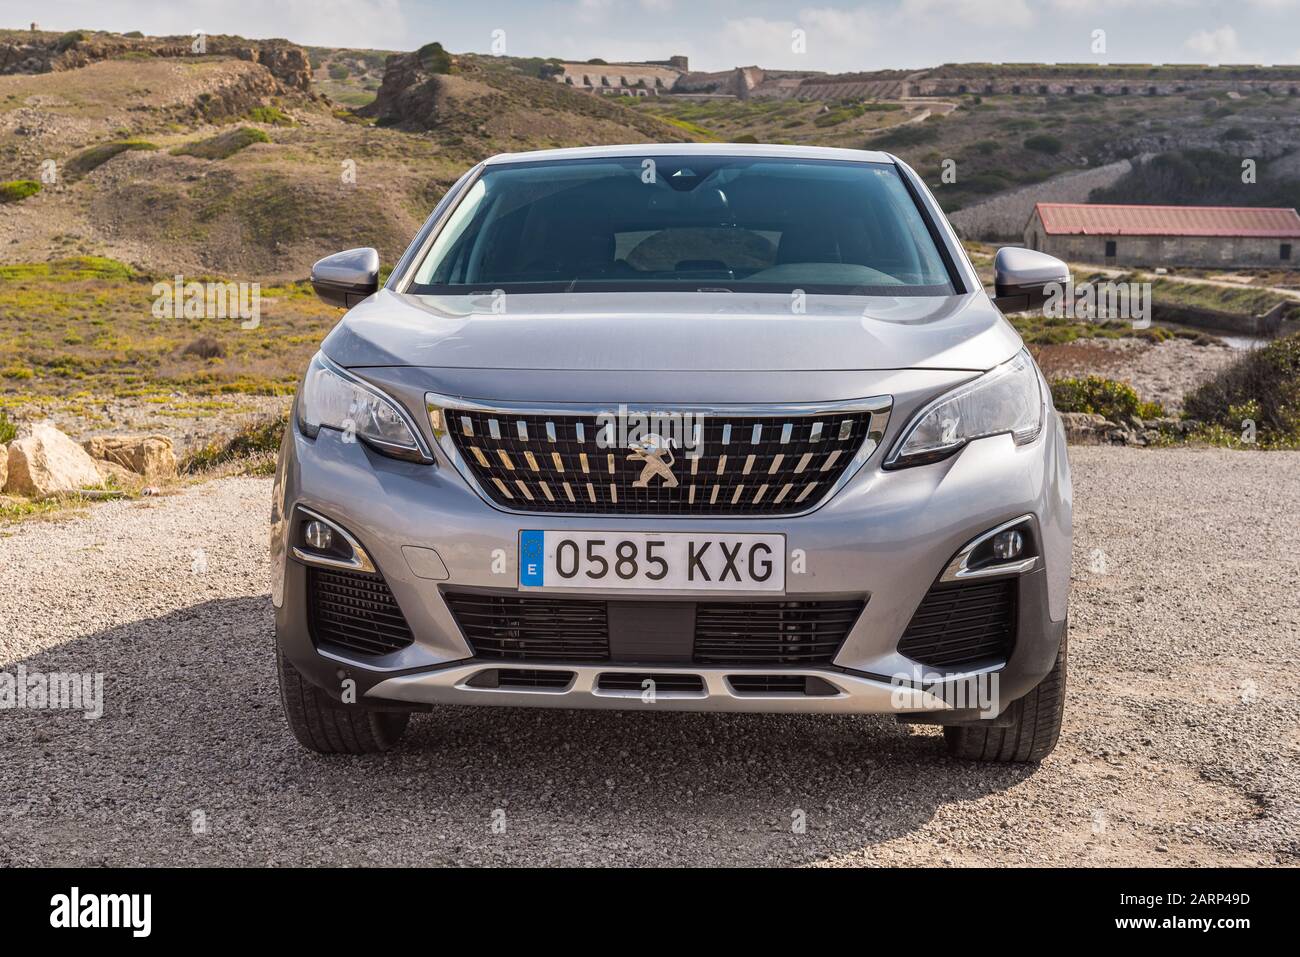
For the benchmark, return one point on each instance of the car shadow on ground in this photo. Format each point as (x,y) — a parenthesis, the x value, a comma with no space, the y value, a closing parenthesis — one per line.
(192,729)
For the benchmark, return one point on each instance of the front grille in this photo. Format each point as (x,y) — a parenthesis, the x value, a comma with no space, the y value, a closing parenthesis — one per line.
(740,465)
(355,610)
(540,628)
(778,633)
(960,623)
(530,628)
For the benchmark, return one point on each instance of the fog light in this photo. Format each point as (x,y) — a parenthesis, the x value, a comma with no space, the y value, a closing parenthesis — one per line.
(1008,545)
(319,536)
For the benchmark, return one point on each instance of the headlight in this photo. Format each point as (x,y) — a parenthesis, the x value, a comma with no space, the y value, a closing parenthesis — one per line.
(332,399)
(1008,399)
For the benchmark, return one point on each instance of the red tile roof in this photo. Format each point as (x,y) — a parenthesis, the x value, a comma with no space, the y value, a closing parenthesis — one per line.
(1092,219)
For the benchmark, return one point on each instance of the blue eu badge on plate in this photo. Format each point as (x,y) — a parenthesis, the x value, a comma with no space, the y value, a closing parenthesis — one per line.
(532,557)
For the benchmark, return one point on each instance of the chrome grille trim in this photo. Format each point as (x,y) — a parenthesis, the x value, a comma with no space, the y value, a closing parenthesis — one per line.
(449,412)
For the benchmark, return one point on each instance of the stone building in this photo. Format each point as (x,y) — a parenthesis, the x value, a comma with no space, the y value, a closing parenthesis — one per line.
(636,79)
(1216,236)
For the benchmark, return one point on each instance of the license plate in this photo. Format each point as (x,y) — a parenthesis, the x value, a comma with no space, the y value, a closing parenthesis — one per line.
(651,561)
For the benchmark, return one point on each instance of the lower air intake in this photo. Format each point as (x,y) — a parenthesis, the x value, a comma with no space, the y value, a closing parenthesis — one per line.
(809,685)
(962,623)
(356,611)
(661,683)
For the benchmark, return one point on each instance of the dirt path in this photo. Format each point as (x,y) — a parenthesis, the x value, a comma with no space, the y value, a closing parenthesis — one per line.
(1179,747)
(1282,291)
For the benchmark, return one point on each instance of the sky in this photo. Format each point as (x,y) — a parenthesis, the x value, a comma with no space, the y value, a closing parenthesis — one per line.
(832,35)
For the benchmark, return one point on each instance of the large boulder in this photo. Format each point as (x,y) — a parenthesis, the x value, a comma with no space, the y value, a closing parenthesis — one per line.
(115,476)
(4,465)
(1087,428)
(152,456)
(45,462)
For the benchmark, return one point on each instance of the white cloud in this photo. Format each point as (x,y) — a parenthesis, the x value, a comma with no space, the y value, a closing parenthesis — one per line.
(848,25)
(759,40)
(1217,46)
(835,39)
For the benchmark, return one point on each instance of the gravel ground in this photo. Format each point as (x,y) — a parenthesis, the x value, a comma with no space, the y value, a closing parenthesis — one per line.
(1180,743)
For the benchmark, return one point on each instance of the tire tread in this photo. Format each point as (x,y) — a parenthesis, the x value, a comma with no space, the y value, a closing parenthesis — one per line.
(1034,733)
(320,724)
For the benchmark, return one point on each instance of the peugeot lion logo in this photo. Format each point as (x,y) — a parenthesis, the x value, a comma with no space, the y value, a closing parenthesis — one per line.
(651,451)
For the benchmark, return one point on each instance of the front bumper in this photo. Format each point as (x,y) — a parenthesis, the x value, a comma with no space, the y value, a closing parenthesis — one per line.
(843,692)
(885,537)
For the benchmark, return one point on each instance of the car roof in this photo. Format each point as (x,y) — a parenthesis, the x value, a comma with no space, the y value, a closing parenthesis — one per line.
(695,149)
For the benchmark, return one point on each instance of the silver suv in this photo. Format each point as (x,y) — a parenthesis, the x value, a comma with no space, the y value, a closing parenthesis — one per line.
(680,428)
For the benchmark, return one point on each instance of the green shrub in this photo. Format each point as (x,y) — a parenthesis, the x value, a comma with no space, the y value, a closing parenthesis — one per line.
(833,118)
(8,431)
(1044,143)
(95,157)
(16,190)
(339,71)
(1019,124)
(223,145)
(434,58)
(992,182)
(68,41)
(259,443)
(913,134)
(271,115)
(1264,380)
(1116,401)
(745,138)
(1173,177)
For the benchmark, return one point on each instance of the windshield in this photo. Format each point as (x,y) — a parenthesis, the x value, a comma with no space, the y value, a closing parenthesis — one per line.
(686,223)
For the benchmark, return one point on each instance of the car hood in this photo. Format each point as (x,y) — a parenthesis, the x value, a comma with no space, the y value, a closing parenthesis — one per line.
(683,332)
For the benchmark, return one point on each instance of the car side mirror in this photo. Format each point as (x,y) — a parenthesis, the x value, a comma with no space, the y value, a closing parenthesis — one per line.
(1021,278)
(346,278)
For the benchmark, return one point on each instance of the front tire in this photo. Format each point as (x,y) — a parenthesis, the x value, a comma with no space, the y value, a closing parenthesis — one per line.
(327,727)
(1034,732)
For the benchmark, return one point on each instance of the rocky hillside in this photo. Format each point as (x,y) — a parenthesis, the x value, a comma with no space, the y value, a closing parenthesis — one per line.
(43,52)
(235,163)
(488,100)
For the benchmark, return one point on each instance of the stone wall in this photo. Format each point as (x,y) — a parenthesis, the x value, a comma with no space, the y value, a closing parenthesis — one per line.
(1267,324)
(1071,86)
(1152,251)
(598,77)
